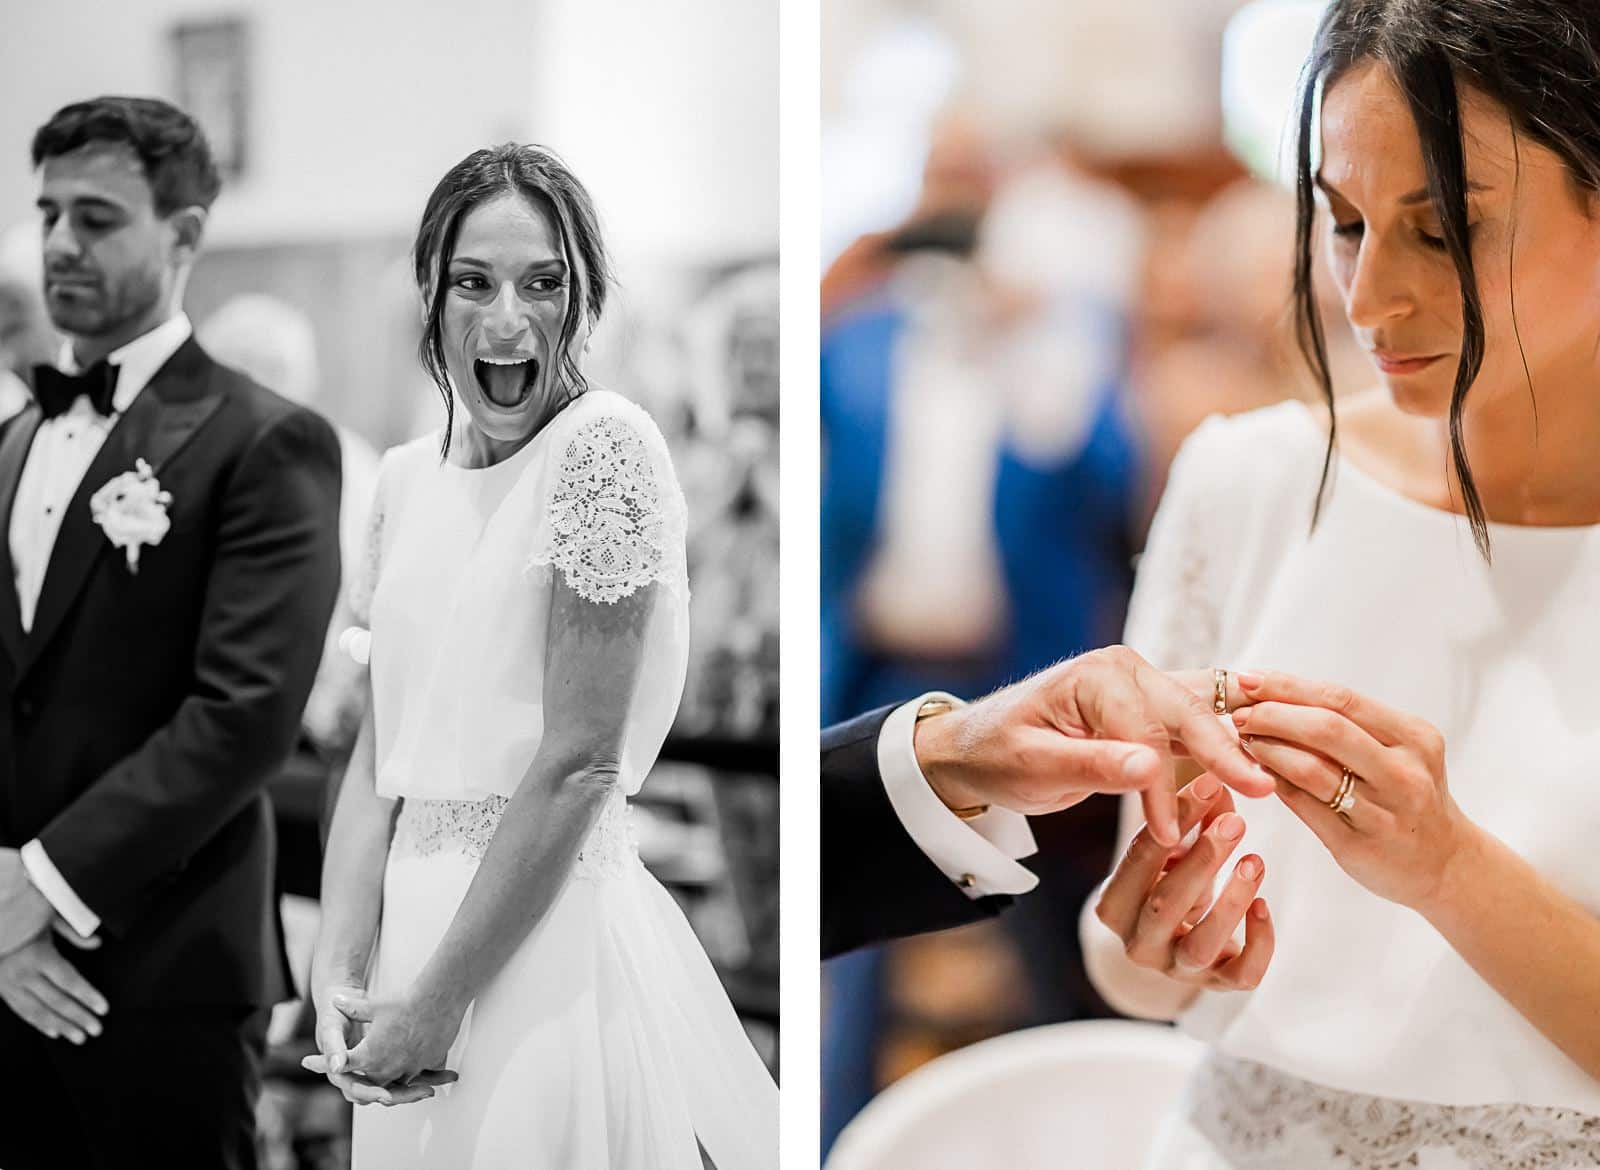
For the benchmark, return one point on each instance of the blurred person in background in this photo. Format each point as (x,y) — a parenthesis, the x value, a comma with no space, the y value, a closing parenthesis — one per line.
(485,912)
(1421,990)
(979,479)
(172,564)
(27,339)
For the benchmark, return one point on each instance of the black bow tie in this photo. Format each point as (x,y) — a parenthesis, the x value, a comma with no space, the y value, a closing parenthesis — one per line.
(57,392)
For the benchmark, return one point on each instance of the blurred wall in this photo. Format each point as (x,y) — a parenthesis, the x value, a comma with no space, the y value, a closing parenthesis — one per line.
(667,108)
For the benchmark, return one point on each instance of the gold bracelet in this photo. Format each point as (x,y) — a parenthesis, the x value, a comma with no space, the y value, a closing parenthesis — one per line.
(930,708)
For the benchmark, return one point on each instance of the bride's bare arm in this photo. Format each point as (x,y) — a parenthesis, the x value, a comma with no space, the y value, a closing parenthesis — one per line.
(352,870)
(592,664)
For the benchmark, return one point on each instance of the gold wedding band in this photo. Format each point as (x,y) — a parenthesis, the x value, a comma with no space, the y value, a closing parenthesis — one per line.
(1219,695)
(1345,799)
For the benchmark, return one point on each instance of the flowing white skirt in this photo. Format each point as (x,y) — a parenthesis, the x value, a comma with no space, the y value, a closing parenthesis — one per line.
(606,1043)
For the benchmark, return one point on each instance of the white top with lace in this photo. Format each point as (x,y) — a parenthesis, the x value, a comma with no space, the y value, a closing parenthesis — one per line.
(1390,597)
(457,585)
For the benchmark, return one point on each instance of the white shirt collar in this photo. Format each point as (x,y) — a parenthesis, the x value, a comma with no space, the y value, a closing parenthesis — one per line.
(140,359)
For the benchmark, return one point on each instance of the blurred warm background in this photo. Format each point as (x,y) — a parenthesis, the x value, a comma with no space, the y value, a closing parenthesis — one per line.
(1055,237)
(332,123)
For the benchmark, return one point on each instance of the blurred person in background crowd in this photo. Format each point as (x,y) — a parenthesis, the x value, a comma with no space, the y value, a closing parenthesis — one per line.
(978,502)
(172,565)
(1422,990)
(527,600)
(27,338)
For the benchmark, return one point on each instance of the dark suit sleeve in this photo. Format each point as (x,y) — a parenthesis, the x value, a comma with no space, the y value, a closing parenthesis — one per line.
(876,883)
(270,594)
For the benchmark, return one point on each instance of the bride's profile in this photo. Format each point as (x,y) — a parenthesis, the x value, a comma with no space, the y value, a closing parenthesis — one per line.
(494,961)
(1401,968)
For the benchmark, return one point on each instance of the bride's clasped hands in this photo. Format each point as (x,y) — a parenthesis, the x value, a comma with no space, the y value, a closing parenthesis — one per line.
(397,1059)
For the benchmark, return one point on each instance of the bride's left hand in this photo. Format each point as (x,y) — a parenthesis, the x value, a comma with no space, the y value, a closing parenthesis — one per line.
(405,1044)
(1404,832)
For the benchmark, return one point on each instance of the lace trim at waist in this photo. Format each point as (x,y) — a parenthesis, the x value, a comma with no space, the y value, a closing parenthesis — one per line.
(1259,1117)
(427,827)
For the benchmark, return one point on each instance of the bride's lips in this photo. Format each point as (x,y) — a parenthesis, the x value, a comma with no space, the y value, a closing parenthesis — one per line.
(506,381)
(1396,363)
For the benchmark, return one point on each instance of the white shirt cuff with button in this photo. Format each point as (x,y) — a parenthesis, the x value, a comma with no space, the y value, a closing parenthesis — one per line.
(48,881)
(978,855)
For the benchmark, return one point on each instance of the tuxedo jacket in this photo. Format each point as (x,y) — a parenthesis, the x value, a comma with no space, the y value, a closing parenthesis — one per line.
(876,883)
(143,712)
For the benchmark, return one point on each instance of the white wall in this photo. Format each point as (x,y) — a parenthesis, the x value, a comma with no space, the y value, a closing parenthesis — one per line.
(666,108)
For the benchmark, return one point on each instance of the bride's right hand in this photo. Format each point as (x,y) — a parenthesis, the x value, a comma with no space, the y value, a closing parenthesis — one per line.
(336,1032)
(1158,901)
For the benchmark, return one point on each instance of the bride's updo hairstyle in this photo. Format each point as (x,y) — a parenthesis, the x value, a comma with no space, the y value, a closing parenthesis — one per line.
(1538,59)
(540,177)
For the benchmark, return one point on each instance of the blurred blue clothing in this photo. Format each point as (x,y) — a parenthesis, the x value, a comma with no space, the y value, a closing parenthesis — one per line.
(1065,536)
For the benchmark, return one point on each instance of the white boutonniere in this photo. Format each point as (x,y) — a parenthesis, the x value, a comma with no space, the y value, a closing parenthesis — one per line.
(132,511)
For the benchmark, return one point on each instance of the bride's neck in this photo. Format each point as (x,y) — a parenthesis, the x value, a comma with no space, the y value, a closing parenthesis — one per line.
(1532,462)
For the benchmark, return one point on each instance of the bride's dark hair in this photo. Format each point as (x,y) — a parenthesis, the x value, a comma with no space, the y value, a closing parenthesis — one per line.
(1539,59)
(539,176)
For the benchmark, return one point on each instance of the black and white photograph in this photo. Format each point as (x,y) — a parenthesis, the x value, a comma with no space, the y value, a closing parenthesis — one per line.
(389,651)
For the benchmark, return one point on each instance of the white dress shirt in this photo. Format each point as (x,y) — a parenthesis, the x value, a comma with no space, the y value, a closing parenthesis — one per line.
(979,855)
(63,447)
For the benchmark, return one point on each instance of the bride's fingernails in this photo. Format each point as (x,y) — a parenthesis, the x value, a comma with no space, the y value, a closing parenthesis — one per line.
(1241,716)
(1248,680)
(1230,826)
(1205,787)
(1250,868)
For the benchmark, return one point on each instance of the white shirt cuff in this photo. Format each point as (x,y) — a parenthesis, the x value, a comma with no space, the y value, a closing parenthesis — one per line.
(48,881)
(978,855)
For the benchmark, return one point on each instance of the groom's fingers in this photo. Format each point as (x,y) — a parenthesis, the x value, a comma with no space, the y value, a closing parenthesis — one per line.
(1120,712)
(1191,721)
(65,976)
(78,1021)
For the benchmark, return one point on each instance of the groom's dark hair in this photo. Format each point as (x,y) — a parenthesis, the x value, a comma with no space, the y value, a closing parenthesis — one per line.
(170,145)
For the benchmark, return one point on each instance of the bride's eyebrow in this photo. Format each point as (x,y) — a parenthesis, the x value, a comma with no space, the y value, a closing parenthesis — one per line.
(554,265)
(1409,199)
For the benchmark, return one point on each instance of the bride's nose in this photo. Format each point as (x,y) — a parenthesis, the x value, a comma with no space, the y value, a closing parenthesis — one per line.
(506,318)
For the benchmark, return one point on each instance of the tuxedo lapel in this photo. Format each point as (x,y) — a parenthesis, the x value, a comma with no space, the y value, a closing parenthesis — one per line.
(13,454)
(155,428)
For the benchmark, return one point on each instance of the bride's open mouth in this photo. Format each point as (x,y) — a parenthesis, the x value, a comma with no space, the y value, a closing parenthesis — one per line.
(506,383)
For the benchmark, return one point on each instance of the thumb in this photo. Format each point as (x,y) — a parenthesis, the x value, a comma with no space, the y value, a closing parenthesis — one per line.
(353,1006)
(66,930)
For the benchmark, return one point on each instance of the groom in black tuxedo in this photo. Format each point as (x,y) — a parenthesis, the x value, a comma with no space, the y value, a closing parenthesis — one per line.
(171,558)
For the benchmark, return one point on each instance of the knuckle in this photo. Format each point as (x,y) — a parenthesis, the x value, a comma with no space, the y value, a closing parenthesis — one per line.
(1339,698)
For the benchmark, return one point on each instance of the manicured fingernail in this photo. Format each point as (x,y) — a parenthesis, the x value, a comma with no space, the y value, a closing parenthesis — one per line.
(1241,716)
(1248,680)
(1206,787)
(1250,869)
(1230,826)
(1258,909)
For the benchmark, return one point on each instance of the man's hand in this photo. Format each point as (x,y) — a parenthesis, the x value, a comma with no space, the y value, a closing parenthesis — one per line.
(24,912)
(1107,721)
(47,991)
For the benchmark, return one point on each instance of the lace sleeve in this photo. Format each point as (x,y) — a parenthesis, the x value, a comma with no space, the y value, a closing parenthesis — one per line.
(1175,615)
(614,519)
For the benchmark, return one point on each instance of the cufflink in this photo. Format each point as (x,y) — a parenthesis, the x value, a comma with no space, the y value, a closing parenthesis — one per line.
(967,881)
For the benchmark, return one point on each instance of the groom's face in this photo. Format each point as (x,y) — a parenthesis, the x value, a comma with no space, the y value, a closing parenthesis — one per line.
(108,257)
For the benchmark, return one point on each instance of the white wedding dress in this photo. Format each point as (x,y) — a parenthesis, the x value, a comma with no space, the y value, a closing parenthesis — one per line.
(1370,1043)
(607,1041)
